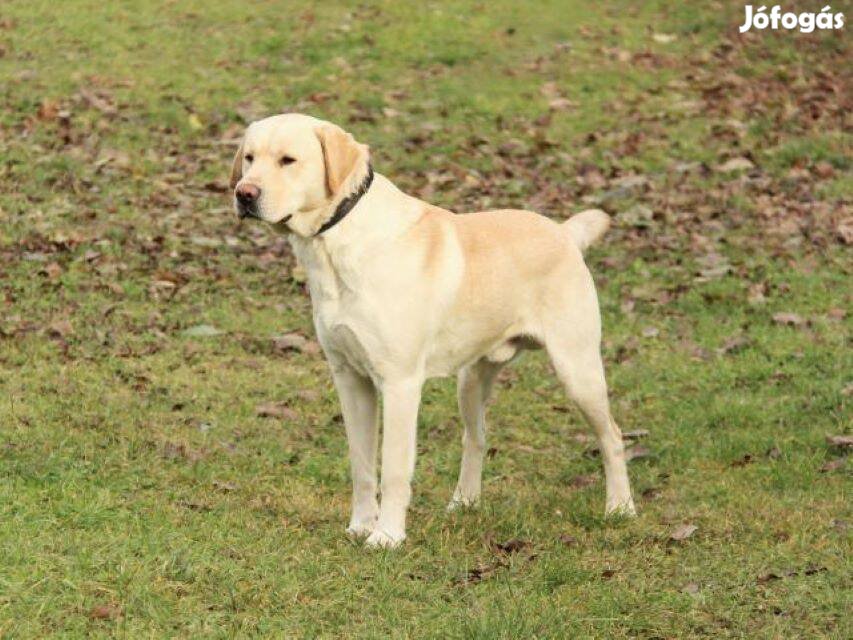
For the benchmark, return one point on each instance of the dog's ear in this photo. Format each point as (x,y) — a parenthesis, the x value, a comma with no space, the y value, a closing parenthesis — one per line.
(345,158)
(237,167)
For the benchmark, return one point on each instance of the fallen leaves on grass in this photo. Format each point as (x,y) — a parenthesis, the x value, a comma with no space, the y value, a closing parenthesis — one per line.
(757,293)
(844,231)
(223,486)
(650,332)
(631,453)
(682,532)
(664,38)
(202,331)
(836,314)
(585,480)
(842,441)
(734,165)
(514,545)
(60,329)
(568,540)
(789,319)
(652,493)
(713,265)
(294,341)
(499,561)
(276,410)
(105,612)
(637,452)
(639,216)
(308,395)
(747,458)
(478,573)
(772,576)
(52,271)
(839,442)
(839,524)
(174,451)
(834,465)
(733,345)
(194,506)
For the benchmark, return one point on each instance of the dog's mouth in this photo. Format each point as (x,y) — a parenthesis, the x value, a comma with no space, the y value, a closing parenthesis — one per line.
(281,225)
(246,212)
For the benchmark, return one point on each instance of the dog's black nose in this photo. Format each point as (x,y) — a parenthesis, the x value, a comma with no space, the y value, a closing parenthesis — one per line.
(248,194)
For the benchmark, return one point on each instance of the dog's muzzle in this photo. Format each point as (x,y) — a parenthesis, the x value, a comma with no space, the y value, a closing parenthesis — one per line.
(248,196)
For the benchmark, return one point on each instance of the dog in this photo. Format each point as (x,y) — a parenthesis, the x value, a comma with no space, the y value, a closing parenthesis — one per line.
(403,291)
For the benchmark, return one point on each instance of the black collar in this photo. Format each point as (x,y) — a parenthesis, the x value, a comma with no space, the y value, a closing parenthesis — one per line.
(346,205)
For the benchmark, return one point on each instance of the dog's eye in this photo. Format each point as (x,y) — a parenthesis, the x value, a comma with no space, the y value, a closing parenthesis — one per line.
(249,157)
(285,160)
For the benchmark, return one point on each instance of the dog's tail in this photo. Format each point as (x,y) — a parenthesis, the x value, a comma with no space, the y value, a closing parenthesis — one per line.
(587,227)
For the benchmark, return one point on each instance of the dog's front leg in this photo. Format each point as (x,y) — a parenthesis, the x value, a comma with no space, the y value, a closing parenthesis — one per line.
(360,409)
(400,401)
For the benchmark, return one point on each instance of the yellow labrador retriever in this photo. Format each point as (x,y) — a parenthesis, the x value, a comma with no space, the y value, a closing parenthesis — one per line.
(403,291)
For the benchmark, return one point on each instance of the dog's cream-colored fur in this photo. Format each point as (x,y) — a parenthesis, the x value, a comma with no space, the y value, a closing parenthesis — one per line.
(403,291)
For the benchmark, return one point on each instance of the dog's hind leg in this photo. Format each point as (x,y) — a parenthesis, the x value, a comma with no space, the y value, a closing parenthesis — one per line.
(573,344)
(473,388)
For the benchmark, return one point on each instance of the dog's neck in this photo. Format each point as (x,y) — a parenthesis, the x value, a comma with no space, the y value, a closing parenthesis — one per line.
(347,204)
(331,258)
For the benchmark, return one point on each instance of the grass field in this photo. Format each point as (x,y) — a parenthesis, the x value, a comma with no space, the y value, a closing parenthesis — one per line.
(143,495)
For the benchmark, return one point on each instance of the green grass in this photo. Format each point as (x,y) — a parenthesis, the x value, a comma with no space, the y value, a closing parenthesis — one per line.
(135,474)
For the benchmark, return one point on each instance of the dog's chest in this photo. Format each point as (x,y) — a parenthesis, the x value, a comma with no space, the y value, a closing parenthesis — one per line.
(345,335)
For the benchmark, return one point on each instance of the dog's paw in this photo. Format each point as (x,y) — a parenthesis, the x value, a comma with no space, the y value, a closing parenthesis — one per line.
(360,529)
(458,503)
(621,510)
(379,539)
(463,499)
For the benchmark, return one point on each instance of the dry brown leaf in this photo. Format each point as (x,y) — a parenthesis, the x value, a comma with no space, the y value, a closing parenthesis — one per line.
(840,441)
(824,169)
(844,231)
(650,332)
(292,341)
(581,481)
(664,38)
(61,329)
(833,465)
(105,612)
(276,410)
(736,164)
(732,345)
(682,532)
(511,546)
(636,452)
(836,314)
(745,460)
(788,318)
(173,451)
(561,104)
(568,540)
(52,270)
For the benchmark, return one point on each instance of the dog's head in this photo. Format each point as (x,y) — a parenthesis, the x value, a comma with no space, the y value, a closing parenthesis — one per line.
(291,170)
